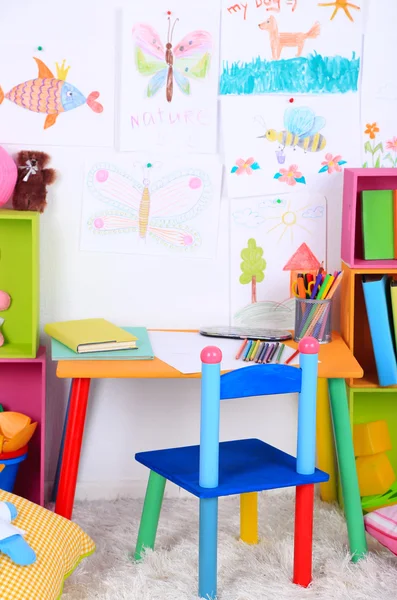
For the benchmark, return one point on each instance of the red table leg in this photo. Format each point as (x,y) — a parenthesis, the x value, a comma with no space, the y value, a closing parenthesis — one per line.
(304,508)
(72,447)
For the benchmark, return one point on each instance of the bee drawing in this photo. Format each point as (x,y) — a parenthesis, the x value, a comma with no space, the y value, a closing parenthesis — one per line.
(302,128)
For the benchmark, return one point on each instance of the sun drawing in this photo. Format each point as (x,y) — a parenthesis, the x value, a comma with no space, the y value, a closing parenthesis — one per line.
(343,5)
(288,220)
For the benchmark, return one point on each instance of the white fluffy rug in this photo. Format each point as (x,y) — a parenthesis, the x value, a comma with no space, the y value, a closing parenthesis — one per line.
(260,572)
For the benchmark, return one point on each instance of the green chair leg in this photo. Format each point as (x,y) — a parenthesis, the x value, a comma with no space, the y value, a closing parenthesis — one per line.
(347,468)
(150,514)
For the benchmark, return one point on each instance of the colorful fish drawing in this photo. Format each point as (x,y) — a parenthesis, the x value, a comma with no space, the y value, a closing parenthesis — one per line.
(190,58)
(49,94)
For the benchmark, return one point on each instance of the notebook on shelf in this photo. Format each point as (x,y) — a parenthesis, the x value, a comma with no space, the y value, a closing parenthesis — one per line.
(142,351)
(378,305)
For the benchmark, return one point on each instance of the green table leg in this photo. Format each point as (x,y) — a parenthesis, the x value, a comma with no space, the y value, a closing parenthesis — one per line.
(347,468)
(150,514)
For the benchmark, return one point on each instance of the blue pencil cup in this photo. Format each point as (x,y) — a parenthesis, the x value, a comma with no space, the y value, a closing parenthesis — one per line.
(9,469)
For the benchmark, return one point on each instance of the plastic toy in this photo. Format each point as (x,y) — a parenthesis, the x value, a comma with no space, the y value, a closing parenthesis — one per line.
(16,430)
(12,542)
(8,176)
(33,177)
(243,467)
(5,301)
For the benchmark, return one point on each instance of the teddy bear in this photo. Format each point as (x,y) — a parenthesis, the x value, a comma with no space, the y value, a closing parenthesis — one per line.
(5,302)
(31,188)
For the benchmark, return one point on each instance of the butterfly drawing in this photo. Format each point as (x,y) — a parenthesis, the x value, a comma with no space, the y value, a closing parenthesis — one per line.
(159,210)
(188,59)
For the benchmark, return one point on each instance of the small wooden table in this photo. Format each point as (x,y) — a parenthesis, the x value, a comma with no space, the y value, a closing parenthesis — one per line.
(337,363)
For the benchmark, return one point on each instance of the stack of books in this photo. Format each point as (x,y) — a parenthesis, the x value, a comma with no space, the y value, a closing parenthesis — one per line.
(379,219)
(98,339)
(380,294)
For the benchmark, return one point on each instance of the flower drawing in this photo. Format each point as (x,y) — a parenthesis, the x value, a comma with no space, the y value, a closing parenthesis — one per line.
(392,144)
(290,176)
(332,164)
(245,166)
(371,129)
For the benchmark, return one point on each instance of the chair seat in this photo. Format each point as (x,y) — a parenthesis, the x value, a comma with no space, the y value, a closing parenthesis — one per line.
(244,466)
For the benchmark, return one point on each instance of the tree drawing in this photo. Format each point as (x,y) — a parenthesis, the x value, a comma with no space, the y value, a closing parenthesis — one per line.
(252,267)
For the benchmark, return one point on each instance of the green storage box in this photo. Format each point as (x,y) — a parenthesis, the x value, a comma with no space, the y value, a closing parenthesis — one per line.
(19,276)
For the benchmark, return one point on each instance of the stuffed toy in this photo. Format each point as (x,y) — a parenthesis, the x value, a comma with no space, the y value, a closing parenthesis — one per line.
(12,541)
(5,302)
(31,189)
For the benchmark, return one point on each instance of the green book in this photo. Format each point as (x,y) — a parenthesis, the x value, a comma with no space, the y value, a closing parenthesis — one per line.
(378,224)
(143,351)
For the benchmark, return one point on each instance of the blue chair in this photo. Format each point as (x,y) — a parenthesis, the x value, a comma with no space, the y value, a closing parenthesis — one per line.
(243,467)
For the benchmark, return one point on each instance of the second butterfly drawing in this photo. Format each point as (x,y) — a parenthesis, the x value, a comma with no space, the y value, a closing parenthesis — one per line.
(169,77)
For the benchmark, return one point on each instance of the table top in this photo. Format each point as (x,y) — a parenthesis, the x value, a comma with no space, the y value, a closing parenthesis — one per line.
(336,361)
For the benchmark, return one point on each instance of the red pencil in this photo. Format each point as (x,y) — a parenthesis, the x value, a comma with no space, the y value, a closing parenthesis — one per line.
(241,350)
(292,357)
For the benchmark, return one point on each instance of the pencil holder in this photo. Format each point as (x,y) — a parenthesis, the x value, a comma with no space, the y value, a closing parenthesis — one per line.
(313,318)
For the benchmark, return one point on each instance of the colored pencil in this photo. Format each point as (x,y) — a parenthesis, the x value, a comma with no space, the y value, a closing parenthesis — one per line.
(252,351)
(247,349)
(255,350)
(273,352)
(241,350)
(291,358)
(259,352)
(280,352)
(265,356)
(263,352)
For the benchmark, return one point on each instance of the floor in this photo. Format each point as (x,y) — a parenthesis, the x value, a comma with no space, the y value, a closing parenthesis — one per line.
(260,572)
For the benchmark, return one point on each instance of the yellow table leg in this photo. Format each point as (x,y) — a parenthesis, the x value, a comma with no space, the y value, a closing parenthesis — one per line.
(249,518)
(325,443)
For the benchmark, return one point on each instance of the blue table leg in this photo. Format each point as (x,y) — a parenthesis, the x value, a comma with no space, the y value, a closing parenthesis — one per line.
(208,548)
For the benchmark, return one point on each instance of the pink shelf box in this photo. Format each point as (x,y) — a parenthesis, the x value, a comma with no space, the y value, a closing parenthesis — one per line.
(22,389)
(355,181)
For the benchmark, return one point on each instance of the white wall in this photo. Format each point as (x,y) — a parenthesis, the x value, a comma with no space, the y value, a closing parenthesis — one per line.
(128,416)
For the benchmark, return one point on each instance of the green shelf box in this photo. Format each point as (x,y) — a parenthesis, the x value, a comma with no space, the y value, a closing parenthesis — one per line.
(19,276)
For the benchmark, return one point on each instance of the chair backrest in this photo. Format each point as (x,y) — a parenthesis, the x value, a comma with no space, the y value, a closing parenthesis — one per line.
(257,380)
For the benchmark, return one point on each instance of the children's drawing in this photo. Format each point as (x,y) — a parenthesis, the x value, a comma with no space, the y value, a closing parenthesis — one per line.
(168,98)
(290,176)
(272,48)
(341,5)
(50,95)
(165,63)
(69,99)
(253,266)
(332,164)
(290,239)
(149,211)
(245,166)
(301,131)
(289,142)
(278,41)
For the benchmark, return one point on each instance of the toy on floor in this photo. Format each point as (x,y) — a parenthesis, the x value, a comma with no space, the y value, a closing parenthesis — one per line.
(382,525)
(16,430)
(374,470)
(8,176)
(12,542)
(243,467)
(33,177)
(5,301)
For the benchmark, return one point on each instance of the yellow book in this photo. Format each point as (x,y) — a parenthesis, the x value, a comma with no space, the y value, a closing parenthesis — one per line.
(91,335)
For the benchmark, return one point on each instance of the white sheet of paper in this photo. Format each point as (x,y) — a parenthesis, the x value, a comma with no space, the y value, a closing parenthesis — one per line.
(77,123)
(321,55)
(188,120)
(169,208)
(378,104)
(291,230)
(182,351)
(276,163)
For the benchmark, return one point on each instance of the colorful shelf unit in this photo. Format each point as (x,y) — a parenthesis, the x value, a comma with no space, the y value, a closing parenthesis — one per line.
(22,389)
(369,404)
(355,182)
(19,276)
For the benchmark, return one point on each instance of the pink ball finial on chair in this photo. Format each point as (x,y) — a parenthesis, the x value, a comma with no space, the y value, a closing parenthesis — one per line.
(309,345)
(211,355)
